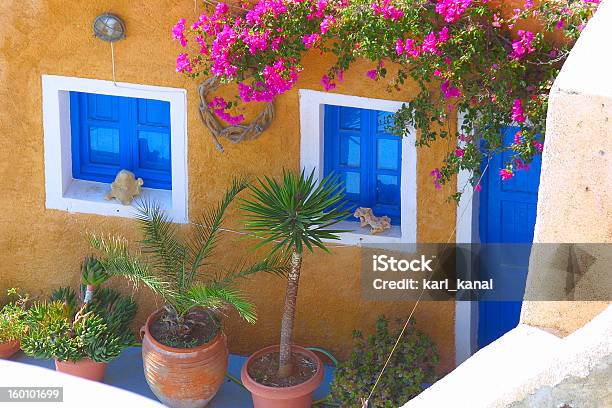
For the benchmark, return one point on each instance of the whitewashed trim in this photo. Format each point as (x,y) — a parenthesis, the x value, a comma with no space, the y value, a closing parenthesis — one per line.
(66,194)
(311,157)
(466,312)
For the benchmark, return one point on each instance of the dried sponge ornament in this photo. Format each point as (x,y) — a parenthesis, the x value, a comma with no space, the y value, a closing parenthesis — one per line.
(125,187)
(367,217)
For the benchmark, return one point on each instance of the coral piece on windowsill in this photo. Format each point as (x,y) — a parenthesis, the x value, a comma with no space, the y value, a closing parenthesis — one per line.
(125,187)
(367,217)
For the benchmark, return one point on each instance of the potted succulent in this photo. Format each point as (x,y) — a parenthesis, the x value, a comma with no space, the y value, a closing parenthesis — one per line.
(81,336)
(184,348)
(292,215)
(12,323)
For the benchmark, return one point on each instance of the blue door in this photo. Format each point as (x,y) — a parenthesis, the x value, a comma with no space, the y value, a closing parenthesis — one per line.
(507,215)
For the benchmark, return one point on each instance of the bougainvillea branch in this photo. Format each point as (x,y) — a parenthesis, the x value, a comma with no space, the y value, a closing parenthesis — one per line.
(469,56)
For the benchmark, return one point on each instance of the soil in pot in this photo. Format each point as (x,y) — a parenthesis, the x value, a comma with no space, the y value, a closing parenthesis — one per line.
(264,370)
(204,328)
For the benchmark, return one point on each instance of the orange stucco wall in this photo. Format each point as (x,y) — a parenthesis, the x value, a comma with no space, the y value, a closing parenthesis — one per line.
(42,249)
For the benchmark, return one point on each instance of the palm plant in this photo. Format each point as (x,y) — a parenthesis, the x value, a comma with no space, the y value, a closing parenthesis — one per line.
(193,281)
(294,214)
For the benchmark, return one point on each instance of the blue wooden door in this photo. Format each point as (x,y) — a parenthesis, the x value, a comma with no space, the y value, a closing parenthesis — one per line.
(507,216)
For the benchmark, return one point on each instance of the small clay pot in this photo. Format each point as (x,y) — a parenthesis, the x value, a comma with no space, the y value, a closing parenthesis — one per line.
(183,377)
(297,396)
(8,348)
(85,368)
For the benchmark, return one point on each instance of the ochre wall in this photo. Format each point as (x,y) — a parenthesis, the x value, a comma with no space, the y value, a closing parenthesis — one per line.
(42,249)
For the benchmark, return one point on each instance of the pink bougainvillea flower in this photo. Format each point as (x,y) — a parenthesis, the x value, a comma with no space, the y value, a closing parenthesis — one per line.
(506,174)
(309,40)
(327,83)
(459,152)
(436,175)
(520,165)
(178,32)
(372,74)
(449,91)
(518,115)
(528,4)
(218,105)
(183,64)
(496,21)
(265,7)
(560,24)
(523,45)
(385,9)
(430,43)
(278,78)
(437,73)
(452,10)
(399,46)
(477,187)
(538,146)
(340,75)
(327,22)
(517,137)
(443,35)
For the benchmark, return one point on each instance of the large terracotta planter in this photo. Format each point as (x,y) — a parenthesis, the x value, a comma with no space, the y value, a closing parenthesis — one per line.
(86,368)
(184,377)
(298,396)
(7,349)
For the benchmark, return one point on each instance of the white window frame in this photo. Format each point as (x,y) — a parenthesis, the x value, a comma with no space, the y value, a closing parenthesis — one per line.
(312,132)
(65,193)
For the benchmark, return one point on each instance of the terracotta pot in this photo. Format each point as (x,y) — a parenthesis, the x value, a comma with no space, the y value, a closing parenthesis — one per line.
(86,368)
(298,396)
(183,377)
(8,348)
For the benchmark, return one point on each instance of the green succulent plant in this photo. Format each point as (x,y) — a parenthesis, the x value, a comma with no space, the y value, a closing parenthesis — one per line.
(63,330)
(12,316)
(409,370)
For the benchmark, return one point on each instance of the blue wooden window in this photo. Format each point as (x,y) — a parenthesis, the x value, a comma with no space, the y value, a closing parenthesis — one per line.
(366,156)
(110,133)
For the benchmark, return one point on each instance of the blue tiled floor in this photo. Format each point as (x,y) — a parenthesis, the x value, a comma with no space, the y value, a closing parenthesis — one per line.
(126,372)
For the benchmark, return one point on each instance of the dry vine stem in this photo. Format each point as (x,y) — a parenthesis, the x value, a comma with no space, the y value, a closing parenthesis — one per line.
(235,133)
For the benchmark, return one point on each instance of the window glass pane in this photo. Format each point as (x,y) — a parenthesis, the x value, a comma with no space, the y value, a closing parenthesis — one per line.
(350,150)
(388,154)
(350,118)
(352,182)
(153,113)
(383,121)
(154,150)
(387,190)
(104,145)
(103,107)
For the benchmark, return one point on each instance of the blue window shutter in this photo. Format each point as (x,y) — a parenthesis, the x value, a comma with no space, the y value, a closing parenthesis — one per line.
(110,133)
(358,148)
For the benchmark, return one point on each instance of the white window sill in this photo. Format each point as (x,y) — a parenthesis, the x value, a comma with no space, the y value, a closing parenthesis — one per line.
(88,197)
(361,235)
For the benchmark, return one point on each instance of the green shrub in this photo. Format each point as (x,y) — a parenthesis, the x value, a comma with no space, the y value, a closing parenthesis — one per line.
(410,368)
(12,317)
(63,330)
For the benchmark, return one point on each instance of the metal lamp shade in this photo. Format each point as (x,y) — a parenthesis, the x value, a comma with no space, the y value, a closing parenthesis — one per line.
(109,27)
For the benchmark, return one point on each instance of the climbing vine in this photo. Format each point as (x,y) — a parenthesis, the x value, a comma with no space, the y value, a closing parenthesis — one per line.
(491,62)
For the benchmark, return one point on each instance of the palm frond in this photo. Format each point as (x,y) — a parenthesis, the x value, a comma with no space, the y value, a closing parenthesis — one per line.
(208,226)
(295,212)
(160,242)
(217,298)
(117,261)
(276,264)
